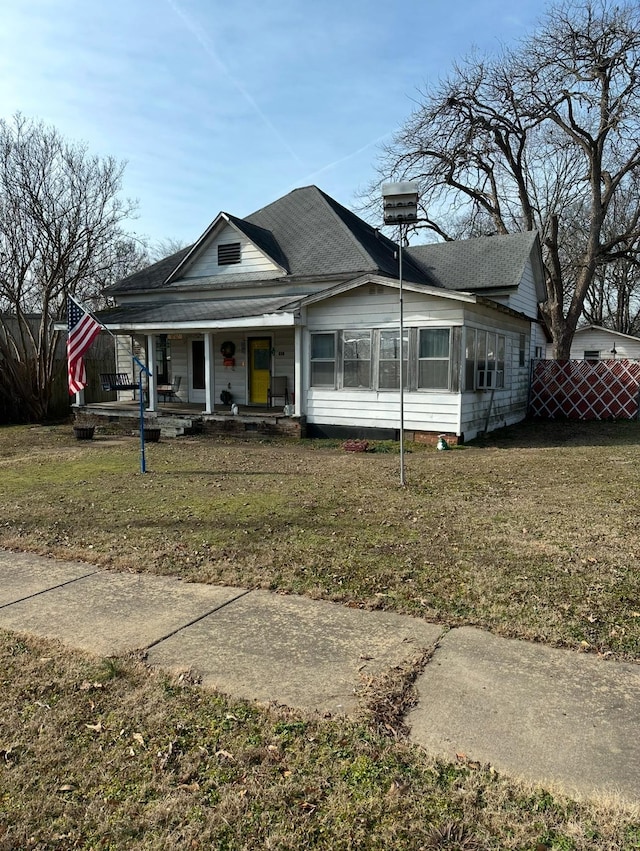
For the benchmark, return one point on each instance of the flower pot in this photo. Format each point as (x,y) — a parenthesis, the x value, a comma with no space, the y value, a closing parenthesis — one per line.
(152,435)
(84,432)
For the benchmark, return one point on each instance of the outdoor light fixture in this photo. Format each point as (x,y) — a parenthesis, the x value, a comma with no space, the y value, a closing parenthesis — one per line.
(400,203)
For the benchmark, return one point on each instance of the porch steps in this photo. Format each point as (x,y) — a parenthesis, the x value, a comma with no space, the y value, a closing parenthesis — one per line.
(174,426)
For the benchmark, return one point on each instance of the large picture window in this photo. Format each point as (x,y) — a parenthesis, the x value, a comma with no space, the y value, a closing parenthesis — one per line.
(434,349)
(356,358)
(323,360)
(389,359)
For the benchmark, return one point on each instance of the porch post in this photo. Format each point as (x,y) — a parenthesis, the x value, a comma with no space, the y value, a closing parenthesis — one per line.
(151,366)
(297,377)
(209,382)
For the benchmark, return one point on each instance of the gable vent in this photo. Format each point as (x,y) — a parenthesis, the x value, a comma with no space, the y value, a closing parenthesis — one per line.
(228,253)
(376,289)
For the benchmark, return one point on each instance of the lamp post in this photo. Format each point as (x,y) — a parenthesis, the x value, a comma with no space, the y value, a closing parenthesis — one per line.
(400,203)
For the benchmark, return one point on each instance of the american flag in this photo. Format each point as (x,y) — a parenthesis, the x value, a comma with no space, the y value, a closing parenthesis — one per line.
(83,329)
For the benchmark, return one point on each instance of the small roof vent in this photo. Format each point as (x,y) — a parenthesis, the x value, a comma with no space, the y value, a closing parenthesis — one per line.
(229,253)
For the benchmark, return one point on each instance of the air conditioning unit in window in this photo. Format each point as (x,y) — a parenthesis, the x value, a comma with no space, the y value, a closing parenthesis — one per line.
(487,379)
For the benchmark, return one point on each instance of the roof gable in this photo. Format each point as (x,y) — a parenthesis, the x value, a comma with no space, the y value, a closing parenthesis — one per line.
(602,330)
(259,252)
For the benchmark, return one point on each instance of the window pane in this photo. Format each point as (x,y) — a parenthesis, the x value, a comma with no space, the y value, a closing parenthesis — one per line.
(322,374)
(470,359)
(434,374)
(323,346)
(389,360)
(356,358)
(357,345)
(389,345)
(482,350)
(389,376)
(491,351)
(357,373)
(501,344)
(434,343)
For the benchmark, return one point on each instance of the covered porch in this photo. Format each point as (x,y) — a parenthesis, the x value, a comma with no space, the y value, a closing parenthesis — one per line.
(222,352)
(179,418)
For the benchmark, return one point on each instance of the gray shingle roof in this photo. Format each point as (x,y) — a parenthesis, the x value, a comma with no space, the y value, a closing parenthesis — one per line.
(263,238)
(477,265)
(320,236)
(152,277)
(308,234)
(192,311)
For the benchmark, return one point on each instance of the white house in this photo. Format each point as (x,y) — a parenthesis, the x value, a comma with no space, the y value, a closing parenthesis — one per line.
(305,293)
(593,342)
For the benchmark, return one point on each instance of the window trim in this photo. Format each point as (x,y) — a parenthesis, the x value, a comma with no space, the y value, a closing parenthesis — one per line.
(406,374)
(486,378)
(448,359)
(313,360)
(370,360)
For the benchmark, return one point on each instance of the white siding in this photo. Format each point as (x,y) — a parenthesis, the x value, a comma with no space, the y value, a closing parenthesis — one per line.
(376,306)
(601,340)
(524,300)
(485,409)
(459,413)
(377,409)
(252,259)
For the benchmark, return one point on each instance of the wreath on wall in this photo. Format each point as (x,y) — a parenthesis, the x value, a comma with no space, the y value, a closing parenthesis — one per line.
(228,349)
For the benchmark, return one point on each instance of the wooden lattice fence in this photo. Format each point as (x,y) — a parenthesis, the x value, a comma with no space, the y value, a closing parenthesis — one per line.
(585,389)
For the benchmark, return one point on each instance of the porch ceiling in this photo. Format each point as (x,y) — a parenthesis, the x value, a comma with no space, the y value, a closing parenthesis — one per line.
(216,313)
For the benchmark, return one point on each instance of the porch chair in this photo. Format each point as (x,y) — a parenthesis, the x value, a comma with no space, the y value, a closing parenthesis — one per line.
(278,389)
(170,391)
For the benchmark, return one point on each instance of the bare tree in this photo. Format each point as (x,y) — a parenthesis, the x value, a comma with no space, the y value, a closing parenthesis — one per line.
(165,248)
(61,233)
(543,137)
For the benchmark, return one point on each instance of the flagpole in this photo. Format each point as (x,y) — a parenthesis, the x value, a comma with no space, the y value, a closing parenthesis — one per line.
(143,369)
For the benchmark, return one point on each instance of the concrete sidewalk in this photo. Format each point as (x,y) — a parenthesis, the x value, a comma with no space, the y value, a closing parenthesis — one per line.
(549,716)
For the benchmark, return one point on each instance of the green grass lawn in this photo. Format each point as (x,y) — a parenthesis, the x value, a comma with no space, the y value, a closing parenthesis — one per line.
(107,755)
(531,532)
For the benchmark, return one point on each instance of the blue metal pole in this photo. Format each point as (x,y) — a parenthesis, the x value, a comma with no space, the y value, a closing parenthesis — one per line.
(143,461)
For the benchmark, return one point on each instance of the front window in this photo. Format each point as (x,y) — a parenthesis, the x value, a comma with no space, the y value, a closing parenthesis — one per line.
(323,360)
(356,356)
(434,358)
(389,359)
(490,356)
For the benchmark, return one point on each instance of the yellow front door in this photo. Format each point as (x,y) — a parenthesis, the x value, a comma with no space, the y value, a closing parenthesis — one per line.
(259,369)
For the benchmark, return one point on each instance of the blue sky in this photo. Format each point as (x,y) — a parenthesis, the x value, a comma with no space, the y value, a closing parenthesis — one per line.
(229,105)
